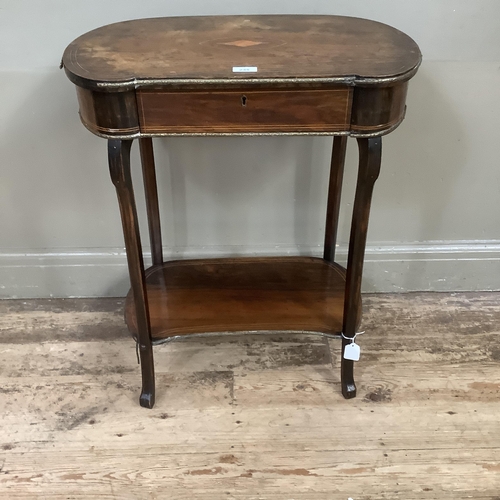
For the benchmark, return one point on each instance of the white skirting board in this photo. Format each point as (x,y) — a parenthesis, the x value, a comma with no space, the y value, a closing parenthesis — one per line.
(99,272)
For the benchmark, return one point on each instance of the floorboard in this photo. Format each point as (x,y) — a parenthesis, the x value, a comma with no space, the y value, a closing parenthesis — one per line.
(254,417)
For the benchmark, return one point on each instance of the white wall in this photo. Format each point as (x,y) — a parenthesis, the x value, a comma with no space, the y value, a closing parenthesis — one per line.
(435,222)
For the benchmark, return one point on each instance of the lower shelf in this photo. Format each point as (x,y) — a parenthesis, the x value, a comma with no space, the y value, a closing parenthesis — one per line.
(299,294)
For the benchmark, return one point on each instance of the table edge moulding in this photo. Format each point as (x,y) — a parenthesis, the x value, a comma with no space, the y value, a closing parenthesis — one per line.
(242,75)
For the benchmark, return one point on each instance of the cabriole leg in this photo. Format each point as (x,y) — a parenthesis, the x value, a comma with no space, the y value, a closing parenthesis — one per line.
(119,167)
(370,154)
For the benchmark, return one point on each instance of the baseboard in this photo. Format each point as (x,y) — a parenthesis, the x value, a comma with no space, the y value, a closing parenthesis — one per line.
(434,266)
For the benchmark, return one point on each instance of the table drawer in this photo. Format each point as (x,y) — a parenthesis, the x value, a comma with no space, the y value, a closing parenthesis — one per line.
(260,111)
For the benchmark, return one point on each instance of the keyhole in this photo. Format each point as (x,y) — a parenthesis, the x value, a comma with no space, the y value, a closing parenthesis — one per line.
(244,100)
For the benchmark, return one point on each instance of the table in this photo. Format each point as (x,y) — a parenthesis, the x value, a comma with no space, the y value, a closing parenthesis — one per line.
(242,75)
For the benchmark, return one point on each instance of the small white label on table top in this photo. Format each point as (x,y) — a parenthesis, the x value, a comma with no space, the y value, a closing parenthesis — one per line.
(244,69)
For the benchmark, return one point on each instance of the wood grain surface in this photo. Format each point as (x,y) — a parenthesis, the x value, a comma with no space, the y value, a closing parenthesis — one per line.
(252,417)
(178,75)
(218,295)
(202,48)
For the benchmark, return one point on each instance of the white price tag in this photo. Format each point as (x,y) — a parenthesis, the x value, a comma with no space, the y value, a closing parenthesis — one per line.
(244,69)
(352,352)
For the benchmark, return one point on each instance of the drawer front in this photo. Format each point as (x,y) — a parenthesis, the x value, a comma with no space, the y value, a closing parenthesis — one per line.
(259,111)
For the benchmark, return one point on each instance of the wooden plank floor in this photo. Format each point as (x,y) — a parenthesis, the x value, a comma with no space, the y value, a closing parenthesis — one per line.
(252,417)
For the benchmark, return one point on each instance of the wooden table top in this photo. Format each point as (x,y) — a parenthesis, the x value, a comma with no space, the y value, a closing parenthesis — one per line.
(176,50)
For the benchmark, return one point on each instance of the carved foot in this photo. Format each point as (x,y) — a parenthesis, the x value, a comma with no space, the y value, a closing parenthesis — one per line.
(347,374)
(349,390)
(147,399)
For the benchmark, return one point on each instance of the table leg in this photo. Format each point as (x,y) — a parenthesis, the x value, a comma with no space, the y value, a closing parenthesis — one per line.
(119,167)
(151,191)
(334,192)
(370,154)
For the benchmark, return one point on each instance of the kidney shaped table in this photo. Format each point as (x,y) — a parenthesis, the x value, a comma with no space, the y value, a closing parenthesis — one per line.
(242,75)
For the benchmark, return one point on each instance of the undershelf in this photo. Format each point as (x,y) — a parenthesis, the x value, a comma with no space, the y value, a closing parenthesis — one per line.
(297,294)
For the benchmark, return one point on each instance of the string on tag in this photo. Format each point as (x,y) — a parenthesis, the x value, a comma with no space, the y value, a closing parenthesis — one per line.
(352,338)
